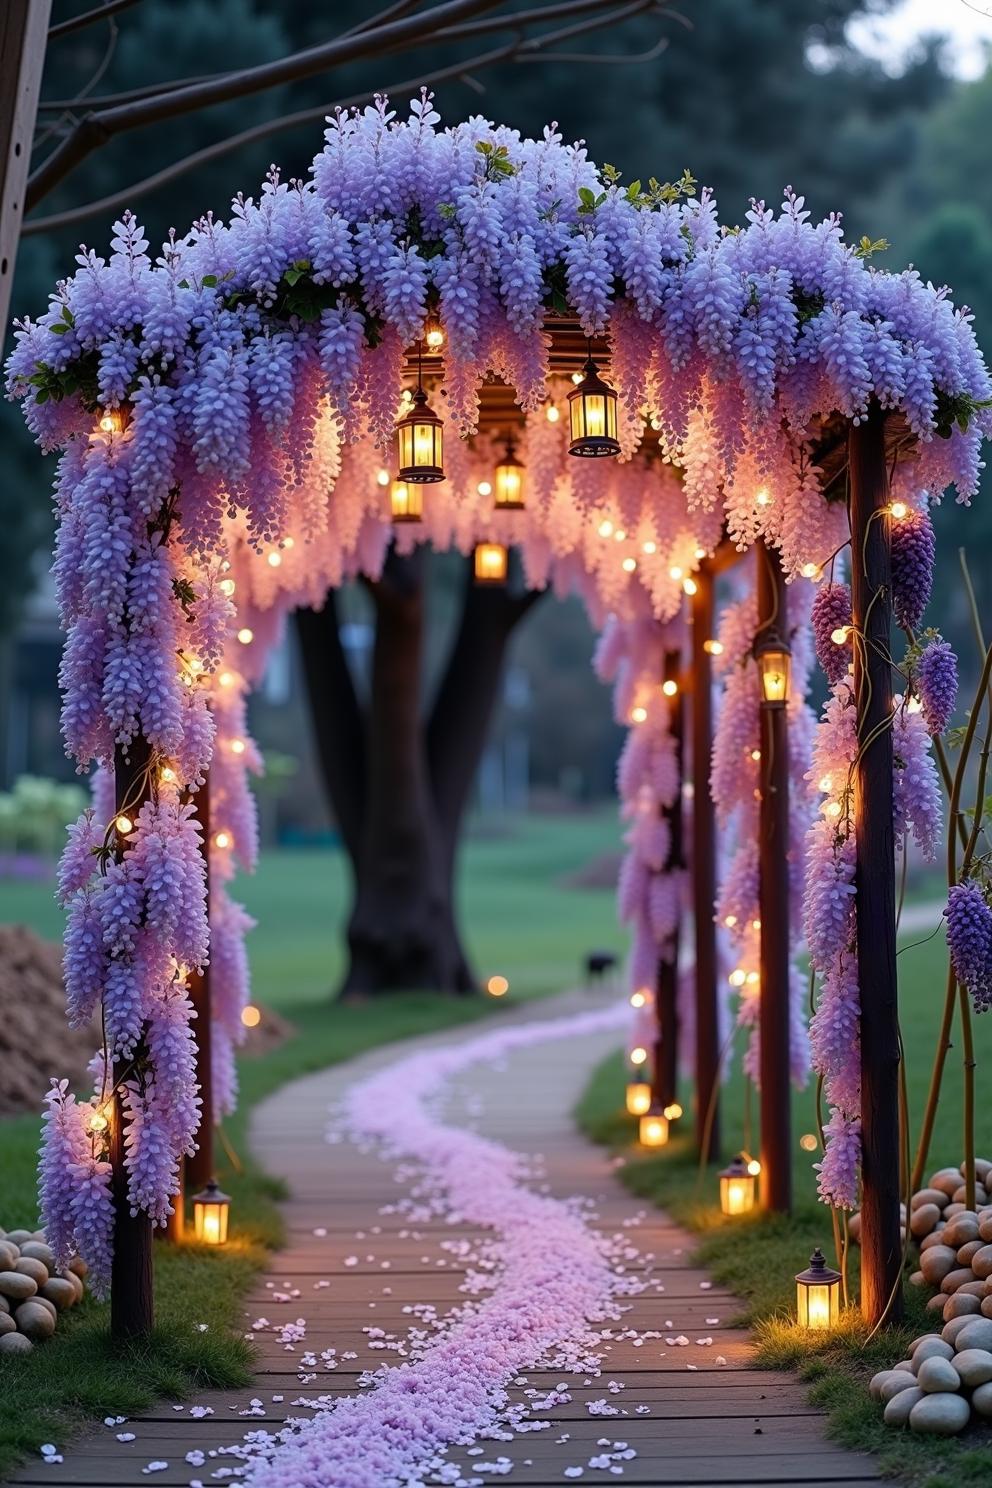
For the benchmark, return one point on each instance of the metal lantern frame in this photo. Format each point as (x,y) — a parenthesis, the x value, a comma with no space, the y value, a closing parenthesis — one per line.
(774,658)
(737,1187)
(211,1214)
(508,483)
(592,416)
(420,443)
(818,1294)
(406,501)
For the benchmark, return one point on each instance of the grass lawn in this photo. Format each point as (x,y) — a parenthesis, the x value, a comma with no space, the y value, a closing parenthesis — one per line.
(521,921)
(758,1257)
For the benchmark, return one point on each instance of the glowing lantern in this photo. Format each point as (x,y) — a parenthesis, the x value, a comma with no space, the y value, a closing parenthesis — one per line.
(653,1128)
(497,986)
(420,443)
(592,414)
(818,1294)
(490,563)
(406,502)
(210,1214)
(774,666)
(638,1098)
(509,481)
(736,1188)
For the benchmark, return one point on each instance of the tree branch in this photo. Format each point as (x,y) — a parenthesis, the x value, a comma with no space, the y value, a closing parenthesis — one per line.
(88,18)
(100,125)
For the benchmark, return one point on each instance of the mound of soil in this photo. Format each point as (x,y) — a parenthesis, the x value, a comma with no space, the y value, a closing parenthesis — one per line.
(35,1040)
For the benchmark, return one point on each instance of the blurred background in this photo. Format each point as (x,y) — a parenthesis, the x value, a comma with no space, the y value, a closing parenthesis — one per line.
(879,110)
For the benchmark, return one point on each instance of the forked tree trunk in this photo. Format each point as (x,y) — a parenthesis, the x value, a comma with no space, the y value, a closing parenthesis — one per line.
(399,783)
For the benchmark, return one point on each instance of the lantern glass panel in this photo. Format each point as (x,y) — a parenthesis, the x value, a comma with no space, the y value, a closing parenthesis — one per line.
(406,501)
(736,1188)
(775,665)
(592,416)
(510,486)
(490,563)
(420,443)
(818,1295)
(211,1209)
(638,1098)
(653,1129)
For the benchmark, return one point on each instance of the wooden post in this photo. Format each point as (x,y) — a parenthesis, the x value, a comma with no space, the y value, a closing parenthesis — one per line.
(701,611)
(881,1247)
(199,1169)
(23,39)
(132,1310)
(665,1080)
(773,848)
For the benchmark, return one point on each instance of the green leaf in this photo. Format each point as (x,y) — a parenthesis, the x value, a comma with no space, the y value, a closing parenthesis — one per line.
(209,281)
(59,328)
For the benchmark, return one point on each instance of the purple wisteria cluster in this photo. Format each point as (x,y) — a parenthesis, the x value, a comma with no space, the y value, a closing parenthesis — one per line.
(937,682)
(969,941)
(735,780)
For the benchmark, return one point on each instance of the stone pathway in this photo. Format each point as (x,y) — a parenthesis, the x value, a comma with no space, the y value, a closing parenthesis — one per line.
(675,1385)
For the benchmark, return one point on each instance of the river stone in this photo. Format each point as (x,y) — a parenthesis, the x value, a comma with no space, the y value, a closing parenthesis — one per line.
(903,1379)
(962,1304)
(981,1400)
(977,1333)
(947,1180)
(37,1250)
(37,1270)
(35,1321)
(18,1237)
(955,1279)
(876,1382)
(928,1196)
(937,1303)
(4,1304)
(960,1195)
(917,1279)
(74,1281)
(923,1220)
(898,1408)
(966,1251)
(7,1324)
(8,1255)
(59,1292)
(15,1343)
(936,1237)
(953,1210)
(79,1266)
(951,1331)
(943,1414)
(985,1229)
(930,1346)
(981,1261)
(974,1366)
(937,1262)
(962,1228)
(17,1285)
(936,1374)
(46,1303)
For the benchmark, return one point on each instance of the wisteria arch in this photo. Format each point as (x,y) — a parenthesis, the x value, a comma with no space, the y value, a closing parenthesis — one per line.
(223,412)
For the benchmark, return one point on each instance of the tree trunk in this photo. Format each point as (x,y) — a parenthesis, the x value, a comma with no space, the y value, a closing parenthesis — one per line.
(399,784)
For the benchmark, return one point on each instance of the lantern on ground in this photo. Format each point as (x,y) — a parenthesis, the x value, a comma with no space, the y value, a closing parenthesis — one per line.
(406,501)
(774,667)
(736,1188)
(818,1294)
(509,493)
(491,561)
(638,1097)
(592,414)
(653,1128)
(210,1214)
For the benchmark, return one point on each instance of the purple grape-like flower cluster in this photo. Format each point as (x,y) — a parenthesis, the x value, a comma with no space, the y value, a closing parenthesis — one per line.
(937,680)
(913,553)
(969,941)
(831,612)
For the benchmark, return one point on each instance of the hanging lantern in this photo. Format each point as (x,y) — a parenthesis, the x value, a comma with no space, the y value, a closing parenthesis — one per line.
(420,442)
(406,501)
(653,1128)
(818,1294)
(509,481)
(210,1214)
(491,561)
(592,413)
(638,1097)
(774,666)
(736,1188)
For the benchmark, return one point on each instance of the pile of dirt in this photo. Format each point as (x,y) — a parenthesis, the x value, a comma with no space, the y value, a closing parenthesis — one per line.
(35,1040)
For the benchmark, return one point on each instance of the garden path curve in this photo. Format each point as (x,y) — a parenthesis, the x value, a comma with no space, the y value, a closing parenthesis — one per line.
(675,1401)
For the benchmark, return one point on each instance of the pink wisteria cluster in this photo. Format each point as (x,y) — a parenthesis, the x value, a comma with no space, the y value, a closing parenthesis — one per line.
(651,889)
(735,778)
(553,1281)
(830,909)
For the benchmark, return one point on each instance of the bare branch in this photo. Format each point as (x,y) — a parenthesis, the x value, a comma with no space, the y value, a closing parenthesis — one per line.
(88,18)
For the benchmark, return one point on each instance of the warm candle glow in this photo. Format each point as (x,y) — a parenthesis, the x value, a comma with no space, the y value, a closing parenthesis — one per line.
(670,687)
(652,1129)
(638,1098)
(246,635)
(774,667)
(124,824)
(510,493)
(497,986)
(736,1188)
(250,1015)
(491,561)
(638,1054)
(592,410)
(112,421)
(420,443)
(406,501)
(223,840)
(713,648)
(211,1209)
(818,1295)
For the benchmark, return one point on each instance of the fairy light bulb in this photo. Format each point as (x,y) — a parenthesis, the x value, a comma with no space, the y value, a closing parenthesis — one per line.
(689,586)
(713,648)
(756,755)
(619,535)
(246,635)
(638,714)
(167,775)
(238,746)
(811,571)
(111,421)
(637,999)
(227,587)
(605,529)
(485,488)
(382,476)
(840,635)
(124,824)
(833,808)
(649,548)
(898,509)
(629,565)
(670,688)
(274,560)
(638,1055)
(763,496)
(434,339)
(552,414)
(738,976)
(97,1122)
(824,784)
(676,573)
(226,679)
(730,921)
(250,1016)
(223,840)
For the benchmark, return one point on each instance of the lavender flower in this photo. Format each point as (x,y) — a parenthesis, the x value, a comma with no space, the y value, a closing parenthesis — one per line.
(831,611)
(937,678)
(969,941)
(913,552)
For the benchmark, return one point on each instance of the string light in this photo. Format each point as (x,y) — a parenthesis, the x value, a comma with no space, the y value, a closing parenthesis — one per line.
(638,714)
(649,548)
(840,635)
(619,535)
(124,824)
(690,586)
(227,586)
(605,529)
(226,679)
(753,1167)
(223,840)
(112,421)
(287,542)
(670,687)
(824,784)
(673,1112)
(552,414)
(435,337)
(497,986)
(484,488)
(763,497)
(238,746)
(274,560)
(738,976)
(899,509)
(246,635)
(811,571)
(382,476)
(713,648)
(730,921)
(756,755)
(167,775)
(98,1121)
(629,565)
(808,1142)
(250,1015)
(675,572)
(637,999)
(700,554)
(638,1055)
(833,808)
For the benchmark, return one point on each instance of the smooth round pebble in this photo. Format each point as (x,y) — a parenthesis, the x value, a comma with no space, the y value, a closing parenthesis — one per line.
(74,1281)
(8,1255)
(955,1279)
(898,1408)
(937,1303)
(953,1209)
(19,1237)
(37,1250)
(962,1304)
(936,1262)
(946,1179)
(951,1331)
(936,1374)
(966,1252)
(962,1228)
(937,1238)
(901,1379)
(46,1303)
(917,1279)
(974,1366)
(4,1304)
(37,1270)
(981,1262)
(7,1324)
(977,1333)
(940,1415)
(876,1382)
(17,1285)
(79,1266)
(981,1400)
(928,1196)
(985,1229)
(923,1219)
(59,1292)
(35,1321)
(854,1228)
(930,1346)
(15,1343)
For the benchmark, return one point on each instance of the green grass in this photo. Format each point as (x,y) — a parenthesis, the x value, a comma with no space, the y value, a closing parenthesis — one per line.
(758,1256)
(521,921)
